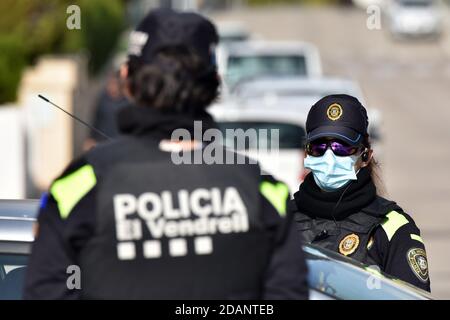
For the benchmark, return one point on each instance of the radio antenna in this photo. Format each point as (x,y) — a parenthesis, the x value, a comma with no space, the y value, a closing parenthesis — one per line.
(75,117)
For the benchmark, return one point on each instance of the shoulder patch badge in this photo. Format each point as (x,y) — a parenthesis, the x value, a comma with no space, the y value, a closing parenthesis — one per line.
(349,244)
(334,112)
(417,260)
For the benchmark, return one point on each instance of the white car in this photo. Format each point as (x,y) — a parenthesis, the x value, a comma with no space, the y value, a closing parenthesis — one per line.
(231,32)
(302,93)
(238,62)
(285,160)
(364,4)
(283,104)
(415,17)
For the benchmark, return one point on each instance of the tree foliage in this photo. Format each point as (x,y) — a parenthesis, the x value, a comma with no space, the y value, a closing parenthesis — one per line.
(30,28)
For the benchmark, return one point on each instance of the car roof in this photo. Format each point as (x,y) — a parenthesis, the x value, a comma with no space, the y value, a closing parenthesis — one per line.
(16,219)
(18,209)
(317,83)
(316,86)
(234,111)
(251,47)
(230,28)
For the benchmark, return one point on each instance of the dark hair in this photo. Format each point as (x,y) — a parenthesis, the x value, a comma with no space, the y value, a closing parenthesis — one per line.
(374,169)
(176,80)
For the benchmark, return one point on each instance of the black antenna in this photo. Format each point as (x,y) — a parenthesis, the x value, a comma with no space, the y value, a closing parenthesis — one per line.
(76,118)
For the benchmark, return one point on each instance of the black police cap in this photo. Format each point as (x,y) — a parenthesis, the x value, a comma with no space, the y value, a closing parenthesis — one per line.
(163,28)
(338,116)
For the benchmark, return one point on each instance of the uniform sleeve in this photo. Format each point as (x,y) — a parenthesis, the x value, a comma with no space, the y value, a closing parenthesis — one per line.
(65,223)
(286,274)
(402,250)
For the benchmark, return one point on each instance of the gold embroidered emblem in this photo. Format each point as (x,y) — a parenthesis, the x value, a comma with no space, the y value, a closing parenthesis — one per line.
(334,112)
(349,244)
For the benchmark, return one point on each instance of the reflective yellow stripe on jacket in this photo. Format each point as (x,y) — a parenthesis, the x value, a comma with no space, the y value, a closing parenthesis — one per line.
(70,189)
(393,222)
(277,194)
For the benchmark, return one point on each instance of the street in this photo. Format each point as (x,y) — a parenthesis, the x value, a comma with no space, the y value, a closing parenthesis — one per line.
(409,81)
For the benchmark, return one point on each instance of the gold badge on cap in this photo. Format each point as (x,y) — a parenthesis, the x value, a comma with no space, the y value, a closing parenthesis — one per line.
(349,244)
(334,112)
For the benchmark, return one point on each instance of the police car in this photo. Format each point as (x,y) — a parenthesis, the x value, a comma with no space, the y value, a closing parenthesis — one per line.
(16,236)
(331,276)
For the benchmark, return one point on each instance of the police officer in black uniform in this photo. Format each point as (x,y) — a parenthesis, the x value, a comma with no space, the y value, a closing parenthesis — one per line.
(141,225)
(338,207)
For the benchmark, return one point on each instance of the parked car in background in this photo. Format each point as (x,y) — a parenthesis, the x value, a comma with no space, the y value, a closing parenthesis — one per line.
(283,161)
(239,62)
(16,236)
(232,32)
(415,18)
(302,93)
(283,104)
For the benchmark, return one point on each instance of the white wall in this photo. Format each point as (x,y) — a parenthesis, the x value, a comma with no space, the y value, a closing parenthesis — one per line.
(49,130)
(12,160)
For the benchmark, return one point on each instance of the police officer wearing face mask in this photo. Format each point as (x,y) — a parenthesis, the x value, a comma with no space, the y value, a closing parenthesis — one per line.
(141,225)
(338,205)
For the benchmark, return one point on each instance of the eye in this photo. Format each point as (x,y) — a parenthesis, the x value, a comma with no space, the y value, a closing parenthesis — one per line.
(342,150)
(317,149)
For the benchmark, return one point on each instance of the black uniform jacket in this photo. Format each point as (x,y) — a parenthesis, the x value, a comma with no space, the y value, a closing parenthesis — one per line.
(130,221)
(358,223)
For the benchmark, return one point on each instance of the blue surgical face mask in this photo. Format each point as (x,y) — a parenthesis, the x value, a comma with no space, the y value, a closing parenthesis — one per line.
(330,171)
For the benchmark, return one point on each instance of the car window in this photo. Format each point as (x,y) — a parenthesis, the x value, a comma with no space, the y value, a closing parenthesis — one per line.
(246,67)
(290,136)
(248,93)
(416,3)
(346,281)
(258,92)
(12,275)
(226,39)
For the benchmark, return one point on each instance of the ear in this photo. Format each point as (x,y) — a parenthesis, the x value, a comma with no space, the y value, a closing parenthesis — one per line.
(369,158)
(124,71)
(124,79)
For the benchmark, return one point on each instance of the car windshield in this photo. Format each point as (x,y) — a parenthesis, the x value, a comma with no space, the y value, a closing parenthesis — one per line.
(246,67)
(415,3)
(225,39)
(255,92)
(346,281)
(290,136)
(12,275)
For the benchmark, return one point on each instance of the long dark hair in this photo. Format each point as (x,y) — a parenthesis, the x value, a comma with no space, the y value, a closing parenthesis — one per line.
(176,80)
(375,169)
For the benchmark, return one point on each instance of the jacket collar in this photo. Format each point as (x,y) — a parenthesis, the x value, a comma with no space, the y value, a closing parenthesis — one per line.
(161,124)
(313,202)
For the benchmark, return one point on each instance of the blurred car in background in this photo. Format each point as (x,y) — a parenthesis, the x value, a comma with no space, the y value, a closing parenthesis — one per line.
(232,32)
(302,93)
(414,18)
(16,235)
(364,4)
(285,160)
(331,276)
(243,61)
